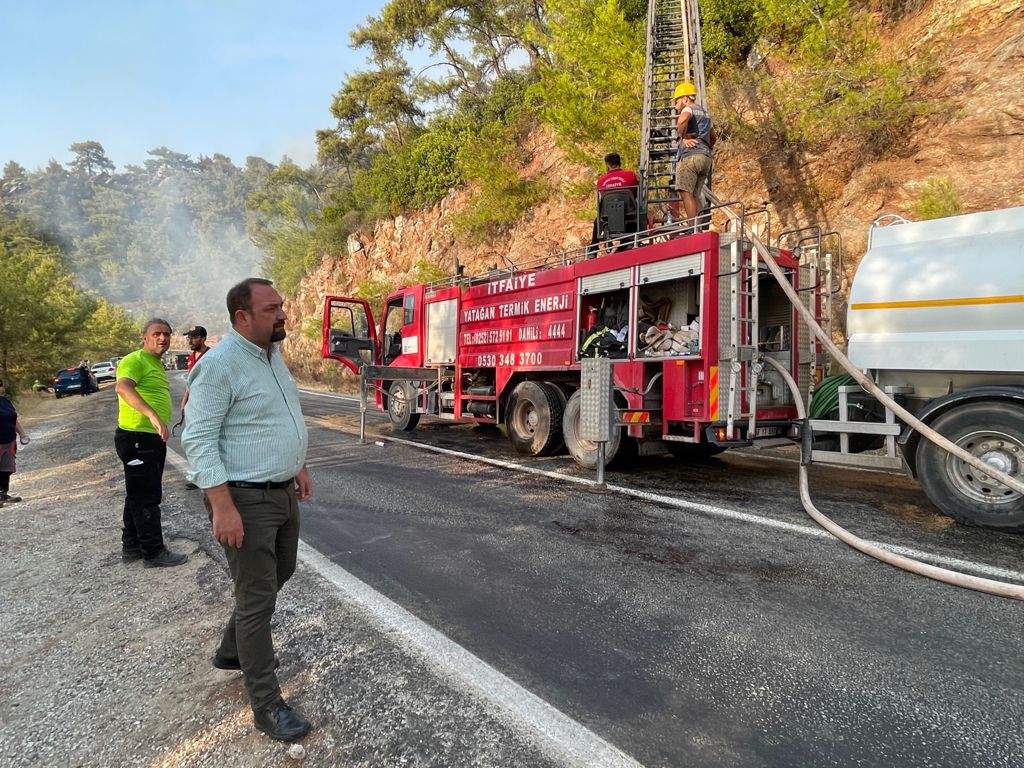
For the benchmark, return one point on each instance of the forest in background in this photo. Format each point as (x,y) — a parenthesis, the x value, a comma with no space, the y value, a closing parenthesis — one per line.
(167,237)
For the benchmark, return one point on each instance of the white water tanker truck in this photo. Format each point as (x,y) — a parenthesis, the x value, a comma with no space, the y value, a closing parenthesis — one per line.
(936,317)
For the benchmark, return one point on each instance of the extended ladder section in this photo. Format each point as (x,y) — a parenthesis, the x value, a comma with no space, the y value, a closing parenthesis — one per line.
(674,54)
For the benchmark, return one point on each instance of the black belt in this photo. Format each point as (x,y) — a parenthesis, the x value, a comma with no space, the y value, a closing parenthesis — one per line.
(267,486)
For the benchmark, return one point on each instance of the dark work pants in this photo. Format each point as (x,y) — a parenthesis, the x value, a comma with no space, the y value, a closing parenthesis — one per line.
(143,455)
(266,560)
(5,482)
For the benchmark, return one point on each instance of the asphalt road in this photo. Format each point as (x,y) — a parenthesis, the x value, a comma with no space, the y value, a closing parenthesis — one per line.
(685,638)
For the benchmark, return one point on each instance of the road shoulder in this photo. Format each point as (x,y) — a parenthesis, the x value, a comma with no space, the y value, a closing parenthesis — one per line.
(108,664)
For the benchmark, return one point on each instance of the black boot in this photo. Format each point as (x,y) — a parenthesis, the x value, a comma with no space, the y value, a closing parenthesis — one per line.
(6,498)
(130,554)
(164,559)
(280,722)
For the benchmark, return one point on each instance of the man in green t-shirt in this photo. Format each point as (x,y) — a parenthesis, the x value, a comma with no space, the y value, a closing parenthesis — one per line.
(143,412)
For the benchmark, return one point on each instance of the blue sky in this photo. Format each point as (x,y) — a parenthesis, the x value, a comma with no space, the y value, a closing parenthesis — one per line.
(252,78)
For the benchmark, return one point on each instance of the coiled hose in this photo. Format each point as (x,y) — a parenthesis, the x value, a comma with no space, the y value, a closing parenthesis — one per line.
(990,586)
(957,579)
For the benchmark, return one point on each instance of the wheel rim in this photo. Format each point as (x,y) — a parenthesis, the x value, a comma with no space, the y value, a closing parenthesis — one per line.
(398,405)
(1000,451)
(525,418)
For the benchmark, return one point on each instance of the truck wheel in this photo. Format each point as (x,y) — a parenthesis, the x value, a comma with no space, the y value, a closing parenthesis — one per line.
(992,431)
(400,411)
(562,400)
(534,418)
(692,451)
(585,451)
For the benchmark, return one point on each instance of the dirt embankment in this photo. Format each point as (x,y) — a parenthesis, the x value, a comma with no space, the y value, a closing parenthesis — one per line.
(105,664)
(975,139)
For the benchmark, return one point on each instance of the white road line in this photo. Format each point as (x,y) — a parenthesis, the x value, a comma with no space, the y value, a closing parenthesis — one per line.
(559,736)
(971,566)
(349,398)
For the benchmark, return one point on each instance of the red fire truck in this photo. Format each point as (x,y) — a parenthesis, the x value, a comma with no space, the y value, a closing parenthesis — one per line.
(683,316)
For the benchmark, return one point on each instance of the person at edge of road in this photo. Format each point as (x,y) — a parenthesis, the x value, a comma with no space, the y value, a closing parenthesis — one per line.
(196,336)
(614,177)
(693,154)
(10,430)
(143,412)
(246,443)
(83,370)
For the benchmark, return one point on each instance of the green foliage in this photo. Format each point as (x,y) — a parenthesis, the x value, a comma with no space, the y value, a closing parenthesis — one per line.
(312,328)
(491,160)
(168,238)
(375,291)
(415,174)
(832,81)
(938,199)
(46,322)
(428,272)
(591,89)
(729,28)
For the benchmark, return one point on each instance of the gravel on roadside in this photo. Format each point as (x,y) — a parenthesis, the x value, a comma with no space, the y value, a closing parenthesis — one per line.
(106,664)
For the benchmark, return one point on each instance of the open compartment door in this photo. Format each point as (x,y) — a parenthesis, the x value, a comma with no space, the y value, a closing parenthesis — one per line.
(349,335)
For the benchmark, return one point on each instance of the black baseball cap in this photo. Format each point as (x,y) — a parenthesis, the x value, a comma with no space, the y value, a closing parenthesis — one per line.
(196,330)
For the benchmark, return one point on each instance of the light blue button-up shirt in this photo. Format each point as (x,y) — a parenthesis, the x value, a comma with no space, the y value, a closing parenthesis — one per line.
(243,420)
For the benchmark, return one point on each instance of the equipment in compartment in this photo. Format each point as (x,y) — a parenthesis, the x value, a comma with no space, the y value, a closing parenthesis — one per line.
(668,320)
(604,324)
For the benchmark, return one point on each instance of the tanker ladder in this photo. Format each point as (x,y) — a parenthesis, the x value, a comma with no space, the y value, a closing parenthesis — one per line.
(742,354)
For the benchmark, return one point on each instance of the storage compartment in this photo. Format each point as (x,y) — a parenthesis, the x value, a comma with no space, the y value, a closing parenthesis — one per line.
(668,318)
(604,324)
(775,340)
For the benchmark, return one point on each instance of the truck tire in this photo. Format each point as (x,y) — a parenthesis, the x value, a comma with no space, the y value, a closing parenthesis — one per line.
(399,396)
(994,431)
(534,418)
(562,400)
(692,451)
(618,449)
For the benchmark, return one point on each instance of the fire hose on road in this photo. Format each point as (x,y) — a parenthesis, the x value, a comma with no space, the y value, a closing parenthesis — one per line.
(955,578)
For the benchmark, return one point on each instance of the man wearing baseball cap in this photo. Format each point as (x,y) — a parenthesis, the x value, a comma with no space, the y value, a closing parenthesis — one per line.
(196,336)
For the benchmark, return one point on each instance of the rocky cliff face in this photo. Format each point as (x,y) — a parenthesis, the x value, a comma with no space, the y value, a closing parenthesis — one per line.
(395,248)
(975,139)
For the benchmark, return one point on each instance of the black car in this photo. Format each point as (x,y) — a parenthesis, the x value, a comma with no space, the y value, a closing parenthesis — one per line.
(71,381)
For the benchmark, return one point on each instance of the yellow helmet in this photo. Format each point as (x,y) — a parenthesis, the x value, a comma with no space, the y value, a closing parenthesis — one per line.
(684,89)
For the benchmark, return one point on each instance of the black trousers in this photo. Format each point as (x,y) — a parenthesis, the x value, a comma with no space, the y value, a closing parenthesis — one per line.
(266,560)
(143,455)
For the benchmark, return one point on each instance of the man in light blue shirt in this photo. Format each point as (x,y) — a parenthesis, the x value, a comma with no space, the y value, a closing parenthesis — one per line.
(246,443)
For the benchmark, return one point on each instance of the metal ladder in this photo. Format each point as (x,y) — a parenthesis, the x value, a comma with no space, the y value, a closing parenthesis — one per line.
(744,334)
(818,261)
(674,54)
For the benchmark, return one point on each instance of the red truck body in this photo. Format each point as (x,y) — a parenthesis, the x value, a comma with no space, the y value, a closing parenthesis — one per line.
(477,341)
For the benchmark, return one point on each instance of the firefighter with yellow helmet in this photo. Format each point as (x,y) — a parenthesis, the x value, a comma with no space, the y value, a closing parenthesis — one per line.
(693,154)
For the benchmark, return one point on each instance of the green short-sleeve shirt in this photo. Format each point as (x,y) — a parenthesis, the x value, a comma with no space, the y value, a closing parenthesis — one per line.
(147,371)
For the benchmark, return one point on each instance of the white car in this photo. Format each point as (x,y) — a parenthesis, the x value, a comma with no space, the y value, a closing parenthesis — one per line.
(104,371)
